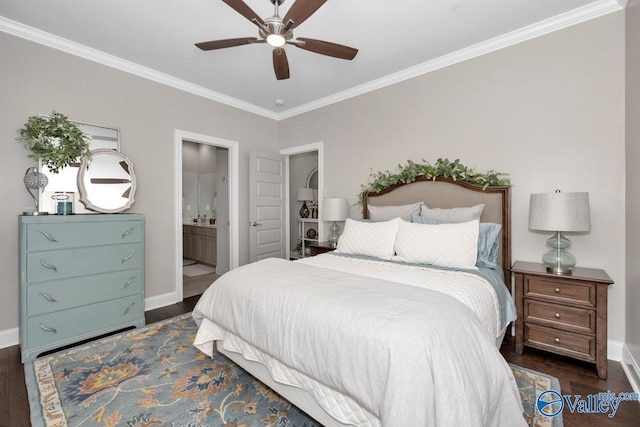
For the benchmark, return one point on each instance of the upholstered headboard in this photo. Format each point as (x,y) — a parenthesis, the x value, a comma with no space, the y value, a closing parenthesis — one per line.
(447,193)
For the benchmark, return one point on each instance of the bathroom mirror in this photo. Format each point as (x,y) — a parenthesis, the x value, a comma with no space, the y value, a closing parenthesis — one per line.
(107,182)
(66,180)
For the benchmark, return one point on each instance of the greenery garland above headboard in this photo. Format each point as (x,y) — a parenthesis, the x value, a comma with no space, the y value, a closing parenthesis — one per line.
(442,167)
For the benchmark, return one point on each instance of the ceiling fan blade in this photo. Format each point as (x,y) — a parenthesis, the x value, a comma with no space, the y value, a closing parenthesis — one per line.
(221,44)
(328,48)
(110,181)
(244,10)
(280,64)
(301,10)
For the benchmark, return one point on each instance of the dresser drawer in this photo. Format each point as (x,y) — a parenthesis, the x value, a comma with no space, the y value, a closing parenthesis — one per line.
(46,236)
(570,344)
(570,292)
(55,265)
(48,297)
(560,316)
(80,322)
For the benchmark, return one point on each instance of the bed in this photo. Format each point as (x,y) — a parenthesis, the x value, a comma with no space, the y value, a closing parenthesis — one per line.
(371,334)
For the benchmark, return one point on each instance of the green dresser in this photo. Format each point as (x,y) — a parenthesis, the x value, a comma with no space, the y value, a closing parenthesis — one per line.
(80,276)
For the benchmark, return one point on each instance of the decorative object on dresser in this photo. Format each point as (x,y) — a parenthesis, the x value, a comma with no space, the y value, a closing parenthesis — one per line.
(320,248)
(304,195)
(566,315)
(559,212)
(335,209)
(55,141)
(81,276)
(109,186)
(34,180)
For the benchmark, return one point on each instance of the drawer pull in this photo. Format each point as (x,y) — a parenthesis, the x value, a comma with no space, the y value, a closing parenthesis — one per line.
(49,266)
(47,297)
(48,329)
(557,340)
(557,315)
(557,290)
(128,257)
(128,308)
(49,237)
(126,233)
(126,285)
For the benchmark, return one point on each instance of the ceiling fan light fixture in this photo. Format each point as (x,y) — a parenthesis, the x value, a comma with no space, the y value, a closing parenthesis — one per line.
(276,40)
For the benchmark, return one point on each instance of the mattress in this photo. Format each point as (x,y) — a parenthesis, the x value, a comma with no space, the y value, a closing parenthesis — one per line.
(367,349)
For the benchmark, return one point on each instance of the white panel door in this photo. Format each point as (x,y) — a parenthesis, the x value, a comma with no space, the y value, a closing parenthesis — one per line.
(266,202)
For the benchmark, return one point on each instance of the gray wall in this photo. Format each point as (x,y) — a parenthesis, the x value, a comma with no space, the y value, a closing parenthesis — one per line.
(36,79)
(549,111)
(632,336)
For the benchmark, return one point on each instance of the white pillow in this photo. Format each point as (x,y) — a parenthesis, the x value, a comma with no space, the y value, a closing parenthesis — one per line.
(375,239)
(453,214)
(384,213)
(445,245)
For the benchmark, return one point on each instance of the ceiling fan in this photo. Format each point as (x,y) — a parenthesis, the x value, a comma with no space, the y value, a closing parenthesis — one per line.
(277,32)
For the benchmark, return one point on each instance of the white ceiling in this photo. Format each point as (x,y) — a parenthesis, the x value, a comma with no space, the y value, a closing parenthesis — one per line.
(396,40)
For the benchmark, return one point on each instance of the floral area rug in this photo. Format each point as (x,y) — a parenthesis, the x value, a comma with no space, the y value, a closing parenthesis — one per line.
(530,384)
(151,376)
(154,376)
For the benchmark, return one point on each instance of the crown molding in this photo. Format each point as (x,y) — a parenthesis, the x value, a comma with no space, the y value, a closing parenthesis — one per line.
(559,22)
(41,37)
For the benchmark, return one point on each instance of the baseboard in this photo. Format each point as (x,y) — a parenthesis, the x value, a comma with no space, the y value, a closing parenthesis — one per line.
(10,337)
(163,300)
(631,368)
(614,350)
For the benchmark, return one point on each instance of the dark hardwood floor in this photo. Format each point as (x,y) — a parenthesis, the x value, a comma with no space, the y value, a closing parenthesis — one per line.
(575,378)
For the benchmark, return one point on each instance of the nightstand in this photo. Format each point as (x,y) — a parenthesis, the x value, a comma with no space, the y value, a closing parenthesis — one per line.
(563,314)
(320,248)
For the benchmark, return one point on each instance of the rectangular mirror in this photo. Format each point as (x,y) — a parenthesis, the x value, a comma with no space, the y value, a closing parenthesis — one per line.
(66,180)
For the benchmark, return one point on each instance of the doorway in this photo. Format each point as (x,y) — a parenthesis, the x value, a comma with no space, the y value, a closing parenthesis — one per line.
(207,211)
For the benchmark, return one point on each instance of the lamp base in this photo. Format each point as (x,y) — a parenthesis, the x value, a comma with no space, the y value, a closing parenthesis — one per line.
(34,213)
(557,259)
(334,235)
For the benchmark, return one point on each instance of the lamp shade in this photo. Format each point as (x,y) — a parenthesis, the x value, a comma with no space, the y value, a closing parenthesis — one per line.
(559,212)
(304,194)
(335,209)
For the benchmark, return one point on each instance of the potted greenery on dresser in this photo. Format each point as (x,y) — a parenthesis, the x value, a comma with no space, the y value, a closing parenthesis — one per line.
(54,140)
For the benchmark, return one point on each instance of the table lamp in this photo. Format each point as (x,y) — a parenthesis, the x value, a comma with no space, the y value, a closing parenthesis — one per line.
(335,209)
(559,212)
(304,195)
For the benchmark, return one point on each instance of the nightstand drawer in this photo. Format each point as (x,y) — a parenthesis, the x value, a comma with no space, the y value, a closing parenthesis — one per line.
(558,290)
(560,316)
(561,342)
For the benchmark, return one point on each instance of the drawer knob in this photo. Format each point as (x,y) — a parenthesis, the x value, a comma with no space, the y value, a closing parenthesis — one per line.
(557,290)
(49,237)
(49,266)
(126,233)
(557,315)
(47,297)
(129,308)
(48,329)
(126,285)
(127,258)
(557,340)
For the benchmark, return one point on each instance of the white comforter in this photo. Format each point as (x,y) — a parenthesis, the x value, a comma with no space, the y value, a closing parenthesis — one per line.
(408,355)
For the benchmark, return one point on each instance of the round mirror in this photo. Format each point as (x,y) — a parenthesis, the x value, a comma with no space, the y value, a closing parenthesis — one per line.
(107,182)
